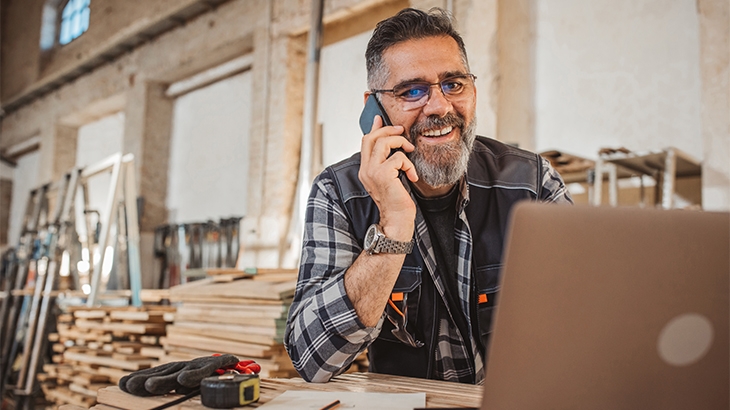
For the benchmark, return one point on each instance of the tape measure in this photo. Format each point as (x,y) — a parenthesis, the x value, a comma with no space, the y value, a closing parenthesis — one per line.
(229,390)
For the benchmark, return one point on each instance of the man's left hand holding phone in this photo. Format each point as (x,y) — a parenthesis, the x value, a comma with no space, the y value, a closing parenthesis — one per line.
(383,158)
(370,280)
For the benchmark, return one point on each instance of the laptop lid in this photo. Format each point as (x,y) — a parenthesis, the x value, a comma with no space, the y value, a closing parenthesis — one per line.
(612,308)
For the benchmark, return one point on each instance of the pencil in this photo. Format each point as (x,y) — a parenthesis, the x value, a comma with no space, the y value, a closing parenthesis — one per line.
(335,404)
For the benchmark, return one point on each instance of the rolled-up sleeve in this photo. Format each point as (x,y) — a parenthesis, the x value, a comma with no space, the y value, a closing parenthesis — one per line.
(553,187)
(323,332)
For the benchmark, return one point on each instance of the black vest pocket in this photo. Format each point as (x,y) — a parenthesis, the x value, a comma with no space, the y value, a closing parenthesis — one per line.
(487,286)
(402,308)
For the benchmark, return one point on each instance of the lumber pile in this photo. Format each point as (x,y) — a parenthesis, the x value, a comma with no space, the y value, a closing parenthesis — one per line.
(239,313)
(95,347)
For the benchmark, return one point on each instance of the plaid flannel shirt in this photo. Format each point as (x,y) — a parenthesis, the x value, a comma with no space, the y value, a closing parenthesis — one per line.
(324,334)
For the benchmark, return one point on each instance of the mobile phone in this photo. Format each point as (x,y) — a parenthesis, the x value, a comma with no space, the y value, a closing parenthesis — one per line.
(372,108)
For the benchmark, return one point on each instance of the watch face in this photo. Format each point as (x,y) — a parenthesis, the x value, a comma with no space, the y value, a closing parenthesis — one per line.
(369,241)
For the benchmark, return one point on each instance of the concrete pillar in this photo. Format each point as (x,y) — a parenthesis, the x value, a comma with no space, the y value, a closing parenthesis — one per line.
(64,149)
(6,196)
(516,22)
(714,17)
(147,132)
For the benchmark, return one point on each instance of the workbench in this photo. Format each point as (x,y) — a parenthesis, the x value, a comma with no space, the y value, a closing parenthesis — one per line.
(438,393)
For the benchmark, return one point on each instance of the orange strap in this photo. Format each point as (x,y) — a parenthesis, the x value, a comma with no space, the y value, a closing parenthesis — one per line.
(390,302)
(397,296)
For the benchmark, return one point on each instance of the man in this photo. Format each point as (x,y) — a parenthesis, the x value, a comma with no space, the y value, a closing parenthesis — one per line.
(445,193)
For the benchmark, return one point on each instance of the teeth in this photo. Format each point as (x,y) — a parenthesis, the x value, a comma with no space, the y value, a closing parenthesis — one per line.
(438,133)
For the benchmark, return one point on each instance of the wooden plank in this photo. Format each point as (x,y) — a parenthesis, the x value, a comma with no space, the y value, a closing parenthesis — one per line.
(71,407)
(129,357)
(192,297)
(438,393)
(227,271)
(112,373)
(233,318)
(221,325)
(89,390)
(67,396)
(175,338)
(90,314)
(116,327)
(103,407)
(275,364)
(267,271)
(274,310)
(222,331)
(239,289)
(113,395)
(154,295)
(242,311)
(141,316)
(153,352)
(86,378)
(123,346)
(108,361)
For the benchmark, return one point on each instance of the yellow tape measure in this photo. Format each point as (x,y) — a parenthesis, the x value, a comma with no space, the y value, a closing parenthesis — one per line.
(230,390)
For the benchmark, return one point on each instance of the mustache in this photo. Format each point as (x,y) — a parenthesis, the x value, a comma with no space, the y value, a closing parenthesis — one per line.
(435,122)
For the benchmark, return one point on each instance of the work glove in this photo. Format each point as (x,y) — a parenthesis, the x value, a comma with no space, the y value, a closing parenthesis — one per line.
(183,377)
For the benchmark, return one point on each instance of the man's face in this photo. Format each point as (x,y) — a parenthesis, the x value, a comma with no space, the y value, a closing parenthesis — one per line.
(443,129)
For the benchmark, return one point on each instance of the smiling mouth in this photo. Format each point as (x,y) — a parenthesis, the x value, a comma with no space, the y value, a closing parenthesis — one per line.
(437,133)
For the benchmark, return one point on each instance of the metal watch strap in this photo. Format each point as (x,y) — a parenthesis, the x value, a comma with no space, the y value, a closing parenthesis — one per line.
(386,245)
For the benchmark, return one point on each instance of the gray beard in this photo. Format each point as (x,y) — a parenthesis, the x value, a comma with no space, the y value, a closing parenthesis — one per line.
(444,165)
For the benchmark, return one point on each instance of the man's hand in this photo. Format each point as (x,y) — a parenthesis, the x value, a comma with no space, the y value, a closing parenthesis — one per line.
(379,173)
(370,280)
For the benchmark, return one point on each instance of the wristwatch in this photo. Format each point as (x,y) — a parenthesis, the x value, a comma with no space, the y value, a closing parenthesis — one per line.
(376,242)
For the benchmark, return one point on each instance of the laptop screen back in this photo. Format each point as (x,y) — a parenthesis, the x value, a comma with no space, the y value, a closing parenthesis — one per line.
(612,308)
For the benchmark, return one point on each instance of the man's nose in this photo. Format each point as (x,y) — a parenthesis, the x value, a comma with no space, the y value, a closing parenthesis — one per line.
(437,103)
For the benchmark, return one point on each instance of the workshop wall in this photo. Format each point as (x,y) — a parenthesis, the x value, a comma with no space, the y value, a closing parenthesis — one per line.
(208,153)
(614,73)
(21,31)
(665,58)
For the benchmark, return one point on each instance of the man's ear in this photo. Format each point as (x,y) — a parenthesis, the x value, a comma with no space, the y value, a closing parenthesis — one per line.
(365,96)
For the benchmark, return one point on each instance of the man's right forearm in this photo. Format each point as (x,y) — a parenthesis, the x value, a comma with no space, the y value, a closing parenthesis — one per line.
(369,282)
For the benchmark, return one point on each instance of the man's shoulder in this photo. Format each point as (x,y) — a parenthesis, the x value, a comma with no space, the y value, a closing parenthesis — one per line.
(344,176)
(346,165)
(494,163)
(492,148)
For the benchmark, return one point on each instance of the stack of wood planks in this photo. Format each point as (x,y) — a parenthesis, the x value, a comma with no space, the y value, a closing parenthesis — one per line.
(239,313)
(95,347)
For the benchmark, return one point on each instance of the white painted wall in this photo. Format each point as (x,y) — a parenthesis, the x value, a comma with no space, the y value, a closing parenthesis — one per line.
(208,177)
(342,82)
(6,171)
(97,141)
(25,178)
(613,73)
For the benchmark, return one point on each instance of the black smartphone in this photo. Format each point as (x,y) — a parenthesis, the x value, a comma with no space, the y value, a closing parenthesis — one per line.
(372,108)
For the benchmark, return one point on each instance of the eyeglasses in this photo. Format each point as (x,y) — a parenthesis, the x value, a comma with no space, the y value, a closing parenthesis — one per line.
(416,94)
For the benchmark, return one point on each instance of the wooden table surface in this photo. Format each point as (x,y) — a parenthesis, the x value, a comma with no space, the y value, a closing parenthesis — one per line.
(438,393)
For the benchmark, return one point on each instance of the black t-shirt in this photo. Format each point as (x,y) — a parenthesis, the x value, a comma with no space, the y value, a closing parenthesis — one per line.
(440,216)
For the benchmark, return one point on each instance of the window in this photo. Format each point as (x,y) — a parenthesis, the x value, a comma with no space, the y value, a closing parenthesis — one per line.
(74,20)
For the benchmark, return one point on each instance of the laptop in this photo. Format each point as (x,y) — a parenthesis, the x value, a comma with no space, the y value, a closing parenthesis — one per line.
(612,308)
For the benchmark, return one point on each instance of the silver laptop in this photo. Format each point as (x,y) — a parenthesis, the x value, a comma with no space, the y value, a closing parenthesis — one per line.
(612,308)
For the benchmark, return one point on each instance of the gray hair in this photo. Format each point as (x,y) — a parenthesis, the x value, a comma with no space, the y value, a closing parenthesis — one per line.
(408,24)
